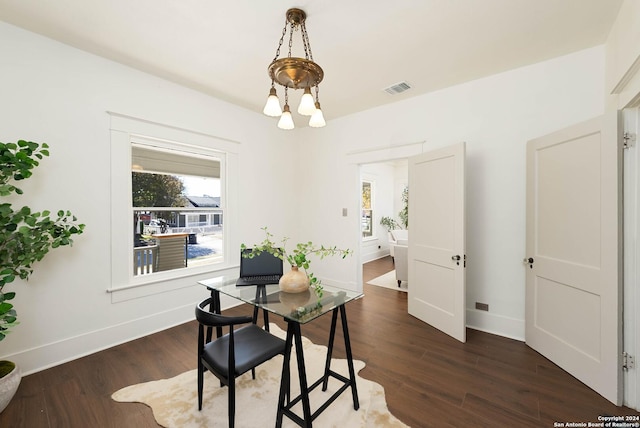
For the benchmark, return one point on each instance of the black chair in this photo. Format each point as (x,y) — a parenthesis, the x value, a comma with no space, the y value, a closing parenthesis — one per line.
(233,354)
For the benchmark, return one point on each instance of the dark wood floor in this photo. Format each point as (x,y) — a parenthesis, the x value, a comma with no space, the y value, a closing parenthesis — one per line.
(429,378)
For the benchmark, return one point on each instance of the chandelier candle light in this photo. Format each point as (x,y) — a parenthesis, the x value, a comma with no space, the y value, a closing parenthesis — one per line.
(295,73)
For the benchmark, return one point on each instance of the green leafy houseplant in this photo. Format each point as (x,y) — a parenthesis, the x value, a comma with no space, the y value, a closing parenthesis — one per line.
(389,223)
(25,236)
(298,257)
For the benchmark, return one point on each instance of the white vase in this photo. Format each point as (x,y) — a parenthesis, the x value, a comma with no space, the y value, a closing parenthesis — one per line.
(8,387)
(294,281)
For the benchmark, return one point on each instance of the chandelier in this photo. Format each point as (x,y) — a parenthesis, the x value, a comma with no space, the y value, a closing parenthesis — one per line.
(295,73)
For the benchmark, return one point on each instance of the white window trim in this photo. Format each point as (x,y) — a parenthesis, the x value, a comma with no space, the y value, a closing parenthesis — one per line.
(124,131)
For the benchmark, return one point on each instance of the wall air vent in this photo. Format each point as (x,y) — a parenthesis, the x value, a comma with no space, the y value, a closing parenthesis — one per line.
(398,88)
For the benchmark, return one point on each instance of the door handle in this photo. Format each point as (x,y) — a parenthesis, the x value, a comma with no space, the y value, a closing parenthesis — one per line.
(456,259)
(528,261)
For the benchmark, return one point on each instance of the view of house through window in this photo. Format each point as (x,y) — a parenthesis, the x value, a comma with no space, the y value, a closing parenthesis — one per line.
(177,210)
(367,210)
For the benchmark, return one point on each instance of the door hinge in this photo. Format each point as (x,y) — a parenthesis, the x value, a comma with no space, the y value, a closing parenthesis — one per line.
(628,140)
(628,361)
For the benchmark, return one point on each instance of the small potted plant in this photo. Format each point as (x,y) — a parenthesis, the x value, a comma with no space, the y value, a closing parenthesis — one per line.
(296,280)
(25,238)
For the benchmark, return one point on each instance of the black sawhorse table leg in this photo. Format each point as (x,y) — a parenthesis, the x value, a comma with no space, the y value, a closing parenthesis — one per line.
(214,307)
(347,344)
(294,334)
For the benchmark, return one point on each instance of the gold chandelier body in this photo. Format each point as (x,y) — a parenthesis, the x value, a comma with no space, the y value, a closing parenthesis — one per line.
(296,73)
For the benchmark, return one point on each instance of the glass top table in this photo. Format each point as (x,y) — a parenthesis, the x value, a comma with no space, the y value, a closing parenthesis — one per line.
(299,307)
(296,309)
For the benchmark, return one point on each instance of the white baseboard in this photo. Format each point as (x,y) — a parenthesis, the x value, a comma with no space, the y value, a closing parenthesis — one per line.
(56,353)
(375,256)
(496,324)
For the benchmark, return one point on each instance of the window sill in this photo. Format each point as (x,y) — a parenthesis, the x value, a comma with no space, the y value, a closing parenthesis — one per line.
(164,281)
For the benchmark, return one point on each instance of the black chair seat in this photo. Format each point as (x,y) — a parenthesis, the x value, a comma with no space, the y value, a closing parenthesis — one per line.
(253,346)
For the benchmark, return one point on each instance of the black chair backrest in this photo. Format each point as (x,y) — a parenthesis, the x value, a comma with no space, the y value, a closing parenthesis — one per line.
(210,319)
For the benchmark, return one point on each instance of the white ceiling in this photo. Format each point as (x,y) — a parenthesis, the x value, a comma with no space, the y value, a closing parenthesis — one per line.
(223,48)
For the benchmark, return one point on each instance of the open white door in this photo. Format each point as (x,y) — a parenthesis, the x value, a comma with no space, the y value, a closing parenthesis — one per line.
(437,239)
(573,280)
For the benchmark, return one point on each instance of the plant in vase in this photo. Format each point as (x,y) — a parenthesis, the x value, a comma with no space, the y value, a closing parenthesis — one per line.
(25,237)
(299,279)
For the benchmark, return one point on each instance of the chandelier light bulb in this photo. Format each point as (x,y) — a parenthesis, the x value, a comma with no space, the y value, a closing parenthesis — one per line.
(286,121)
(272,107)
(307,107)
(317,119)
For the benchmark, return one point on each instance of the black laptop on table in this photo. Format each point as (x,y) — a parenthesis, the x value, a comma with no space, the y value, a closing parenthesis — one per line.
(261,269)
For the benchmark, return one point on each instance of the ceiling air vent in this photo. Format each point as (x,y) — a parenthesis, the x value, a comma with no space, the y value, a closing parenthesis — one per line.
(398,88)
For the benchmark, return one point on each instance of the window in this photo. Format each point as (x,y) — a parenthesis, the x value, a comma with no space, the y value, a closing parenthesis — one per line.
(176,209)
(202,171)
(366,223)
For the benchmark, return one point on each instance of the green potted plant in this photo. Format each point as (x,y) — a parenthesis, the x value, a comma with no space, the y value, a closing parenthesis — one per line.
(389,223)
(296,280)
(25,236)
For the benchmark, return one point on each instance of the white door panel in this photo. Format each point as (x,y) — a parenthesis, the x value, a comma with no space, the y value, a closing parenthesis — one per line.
(568,224)
(573,287)
(436,214)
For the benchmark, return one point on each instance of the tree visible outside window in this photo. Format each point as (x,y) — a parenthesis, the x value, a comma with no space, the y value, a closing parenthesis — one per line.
(157,190)
(367,210)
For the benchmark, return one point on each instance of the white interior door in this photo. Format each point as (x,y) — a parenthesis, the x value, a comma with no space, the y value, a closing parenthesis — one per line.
(573,283)
(437,239)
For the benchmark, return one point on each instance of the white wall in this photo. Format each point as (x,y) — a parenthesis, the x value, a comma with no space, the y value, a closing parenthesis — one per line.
(495,116)
(623,57)
(59,95)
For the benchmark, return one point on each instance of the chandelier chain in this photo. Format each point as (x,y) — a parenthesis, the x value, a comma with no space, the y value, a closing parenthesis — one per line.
(305,42)
(284,33)
(293,27)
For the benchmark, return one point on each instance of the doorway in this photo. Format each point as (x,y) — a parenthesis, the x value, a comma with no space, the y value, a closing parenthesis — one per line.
(382,185)
(373,156)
